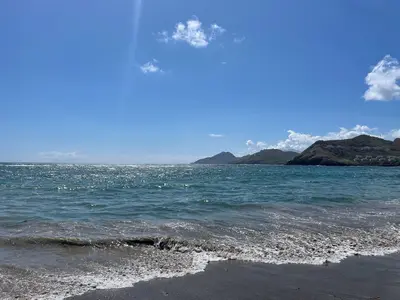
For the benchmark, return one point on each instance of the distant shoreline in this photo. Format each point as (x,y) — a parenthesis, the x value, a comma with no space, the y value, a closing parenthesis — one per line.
(17,164)
(362,150)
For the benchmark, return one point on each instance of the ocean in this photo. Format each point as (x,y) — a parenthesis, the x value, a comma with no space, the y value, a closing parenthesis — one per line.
(67,229)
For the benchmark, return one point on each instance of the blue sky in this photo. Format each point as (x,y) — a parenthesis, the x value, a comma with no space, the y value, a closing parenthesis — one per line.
(133,82)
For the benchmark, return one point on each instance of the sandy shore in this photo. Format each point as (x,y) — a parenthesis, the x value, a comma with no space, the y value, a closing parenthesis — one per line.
(354,278)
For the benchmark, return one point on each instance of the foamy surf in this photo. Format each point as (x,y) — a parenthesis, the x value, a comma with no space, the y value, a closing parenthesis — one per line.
(63,286)
(108,264)
(57,285)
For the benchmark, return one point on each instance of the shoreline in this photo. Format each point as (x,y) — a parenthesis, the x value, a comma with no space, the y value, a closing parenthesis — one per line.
(358,277)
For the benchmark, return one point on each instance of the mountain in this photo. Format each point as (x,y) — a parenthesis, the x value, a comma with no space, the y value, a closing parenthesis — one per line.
(220,158)
(363,150)
(267,156)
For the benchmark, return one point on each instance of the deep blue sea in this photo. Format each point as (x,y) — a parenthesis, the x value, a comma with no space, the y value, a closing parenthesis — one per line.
(66,229)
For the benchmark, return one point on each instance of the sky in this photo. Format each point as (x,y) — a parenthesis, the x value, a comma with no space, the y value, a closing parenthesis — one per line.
(157,81)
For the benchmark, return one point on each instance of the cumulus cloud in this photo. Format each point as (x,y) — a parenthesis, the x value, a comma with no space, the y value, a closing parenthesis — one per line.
(249,143)
(215,135)
(297,141)
(151,67)
(395,134)
(261,145)
(192,33)
(383,81)
(255,146)
(239,40)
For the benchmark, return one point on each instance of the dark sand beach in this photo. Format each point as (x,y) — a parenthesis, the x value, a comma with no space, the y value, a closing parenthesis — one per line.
(354,278)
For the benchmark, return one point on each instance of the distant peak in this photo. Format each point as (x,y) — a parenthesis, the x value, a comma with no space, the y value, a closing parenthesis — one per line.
(274,150)
(225,153)
(220,158)
(366,137)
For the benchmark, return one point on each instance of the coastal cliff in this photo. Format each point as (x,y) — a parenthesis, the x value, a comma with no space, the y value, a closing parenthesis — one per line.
(363,150)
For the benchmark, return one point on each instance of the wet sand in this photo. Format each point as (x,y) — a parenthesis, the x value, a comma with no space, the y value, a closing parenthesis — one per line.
(354,278)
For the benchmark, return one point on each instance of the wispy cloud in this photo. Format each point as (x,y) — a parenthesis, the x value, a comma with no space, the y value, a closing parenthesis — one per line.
(192,33)
(297,141)
(136,14)
(223,62)
(151,67)
(216,30)
(124,159)
(239,40)
(383,81)
(59,156)
(163,37)
(215,135)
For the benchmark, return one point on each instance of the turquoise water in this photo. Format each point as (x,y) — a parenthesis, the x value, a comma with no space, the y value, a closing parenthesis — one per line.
(111,226)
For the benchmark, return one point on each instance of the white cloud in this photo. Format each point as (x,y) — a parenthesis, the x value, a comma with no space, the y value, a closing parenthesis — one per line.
(255,146)
(215,31)
(395,134)
(151,67)
(239,40)
(123,159)
(297,141)
(215,135)
(223,62)
(261,145)
(383,81)
(249,143)
(163,37)
(59,156)
(160,159)
(192,33)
